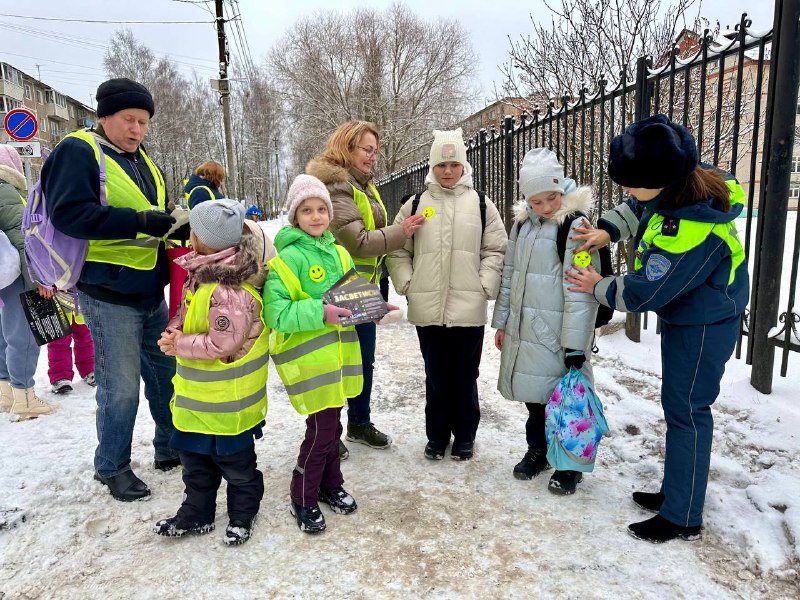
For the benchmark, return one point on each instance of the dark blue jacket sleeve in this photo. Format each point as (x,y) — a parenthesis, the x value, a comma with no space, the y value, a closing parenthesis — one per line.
(71,184)
(663,277)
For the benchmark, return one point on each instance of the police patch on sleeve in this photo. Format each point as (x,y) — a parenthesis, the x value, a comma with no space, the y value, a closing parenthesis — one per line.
(222,323)
(657,267)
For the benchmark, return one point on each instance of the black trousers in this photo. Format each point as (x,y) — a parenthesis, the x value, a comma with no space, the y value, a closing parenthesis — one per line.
(202,476)
(534,427)
(452,356)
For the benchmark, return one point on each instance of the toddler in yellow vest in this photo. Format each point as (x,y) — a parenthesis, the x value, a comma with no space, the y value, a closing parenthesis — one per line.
(318,360)
(220,401)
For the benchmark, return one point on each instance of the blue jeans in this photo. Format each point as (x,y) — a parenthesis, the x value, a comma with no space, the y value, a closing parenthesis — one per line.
(693,361)
(358,407)
(125,351)
(18,350)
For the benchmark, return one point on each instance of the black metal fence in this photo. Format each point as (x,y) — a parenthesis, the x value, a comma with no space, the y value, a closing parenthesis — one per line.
(726,94)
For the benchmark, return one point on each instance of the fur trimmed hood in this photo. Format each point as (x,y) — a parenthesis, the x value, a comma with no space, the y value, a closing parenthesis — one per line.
(231,267)
(578,200)
(327,172)
(13,177)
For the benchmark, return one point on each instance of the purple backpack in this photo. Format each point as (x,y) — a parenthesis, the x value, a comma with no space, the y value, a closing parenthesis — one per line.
(54,259)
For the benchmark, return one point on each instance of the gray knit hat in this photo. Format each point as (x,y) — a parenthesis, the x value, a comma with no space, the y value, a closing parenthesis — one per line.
(218,223)
(540,172)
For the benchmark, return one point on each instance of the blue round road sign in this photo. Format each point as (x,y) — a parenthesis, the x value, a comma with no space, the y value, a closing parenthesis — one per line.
(21,124)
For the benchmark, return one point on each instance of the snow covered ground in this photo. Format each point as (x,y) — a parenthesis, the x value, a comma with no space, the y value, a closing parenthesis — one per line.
(423,529)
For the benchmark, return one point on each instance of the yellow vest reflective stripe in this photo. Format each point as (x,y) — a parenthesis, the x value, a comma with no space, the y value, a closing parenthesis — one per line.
(215,397)
(369,268)
(691,234)
(199,187)
(320,368)
(121,192)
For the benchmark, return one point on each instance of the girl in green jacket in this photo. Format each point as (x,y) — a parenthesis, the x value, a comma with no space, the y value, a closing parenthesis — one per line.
(318,360)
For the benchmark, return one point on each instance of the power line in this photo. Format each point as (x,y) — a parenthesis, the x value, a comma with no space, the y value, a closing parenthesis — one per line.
(52,61)
(105,22)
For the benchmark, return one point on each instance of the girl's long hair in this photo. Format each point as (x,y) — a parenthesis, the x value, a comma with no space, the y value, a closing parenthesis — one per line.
(701,185)
(344,140)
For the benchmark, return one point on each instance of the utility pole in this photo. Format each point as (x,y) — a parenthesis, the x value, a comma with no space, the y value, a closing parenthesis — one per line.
(225,98)
(277,175)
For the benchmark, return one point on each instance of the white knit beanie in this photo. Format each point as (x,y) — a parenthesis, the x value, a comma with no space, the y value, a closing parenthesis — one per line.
(448,146)
(540,172)
(218,223)
(302,188)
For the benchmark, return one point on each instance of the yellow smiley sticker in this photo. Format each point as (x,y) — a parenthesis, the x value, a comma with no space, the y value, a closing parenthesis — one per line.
(582,259)
(316,273)
(428,212)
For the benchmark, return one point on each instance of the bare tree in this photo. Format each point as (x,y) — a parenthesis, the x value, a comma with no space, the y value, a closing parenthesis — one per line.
(586,39)
(407,75)
(187,127)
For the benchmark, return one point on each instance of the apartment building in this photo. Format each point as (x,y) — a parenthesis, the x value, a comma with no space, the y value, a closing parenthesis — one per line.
(57,113)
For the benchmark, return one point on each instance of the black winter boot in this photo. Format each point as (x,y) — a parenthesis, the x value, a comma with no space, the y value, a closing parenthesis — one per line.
(309,518)
(434,451)
(564,483)
(533,463)
(462,450)
(658,530)
(178,527)
(238,532)
(339,500)
(649,501)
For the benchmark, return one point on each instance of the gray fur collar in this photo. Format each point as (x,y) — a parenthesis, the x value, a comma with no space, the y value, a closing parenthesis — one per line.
(578,200)
(235,273)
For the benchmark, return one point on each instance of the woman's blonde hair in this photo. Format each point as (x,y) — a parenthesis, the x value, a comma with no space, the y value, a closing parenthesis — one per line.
(211,171)
(344,140)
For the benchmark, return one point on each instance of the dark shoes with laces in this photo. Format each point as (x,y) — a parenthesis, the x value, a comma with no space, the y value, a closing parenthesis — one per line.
(434,451)
(368,435)
(533,463)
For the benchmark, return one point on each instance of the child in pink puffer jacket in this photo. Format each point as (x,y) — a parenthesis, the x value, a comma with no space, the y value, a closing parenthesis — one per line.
(220,342)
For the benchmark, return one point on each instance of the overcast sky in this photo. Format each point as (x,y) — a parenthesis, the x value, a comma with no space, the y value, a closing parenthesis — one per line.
(69,55)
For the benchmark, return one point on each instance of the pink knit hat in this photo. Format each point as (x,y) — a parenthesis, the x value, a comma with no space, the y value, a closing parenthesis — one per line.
(9,157)
(304,187)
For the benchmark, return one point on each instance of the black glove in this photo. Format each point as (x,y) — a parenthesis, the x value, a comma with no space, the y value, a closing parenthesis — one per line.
(573,358)
(154,222)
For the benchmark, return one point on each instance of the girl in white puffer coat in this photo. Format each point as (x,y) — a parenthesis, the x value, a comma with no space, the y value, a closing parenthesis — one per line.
(542,328)
(449,271)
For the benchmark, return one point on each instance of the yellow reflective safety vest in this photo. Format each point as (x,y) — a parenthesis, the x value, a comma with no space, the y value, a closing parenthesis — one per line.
(215,397)
(322,368)
(369,268)
(693,233)
(121,192)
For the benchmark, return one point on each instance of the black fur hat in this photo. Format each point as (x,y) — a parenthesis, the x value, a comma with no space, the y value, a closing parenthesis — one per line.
(652,153)
(115,95)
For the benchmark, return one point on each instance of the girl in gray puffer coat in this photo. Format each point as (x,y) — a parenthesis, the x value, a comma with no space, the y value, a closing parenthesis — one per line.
(542,328)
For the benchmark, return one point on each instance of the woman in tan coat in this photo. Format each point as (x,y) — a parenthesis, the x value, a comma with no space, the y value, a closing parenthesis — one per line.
(361,225)
(449,272)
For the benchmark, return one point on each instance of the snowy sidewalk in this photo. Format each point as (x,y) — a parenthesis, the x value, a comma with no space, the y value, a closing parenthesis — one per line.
(423,529)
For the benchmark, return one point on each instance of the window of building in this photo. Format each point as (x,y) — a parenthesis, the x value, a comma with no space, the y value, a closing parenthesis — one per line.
(55,127)
(794,191)
(7,103)
(39,97)
(53,97)
(12,75)
(796,164)
(28,92)
(492,115)
(71,111)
